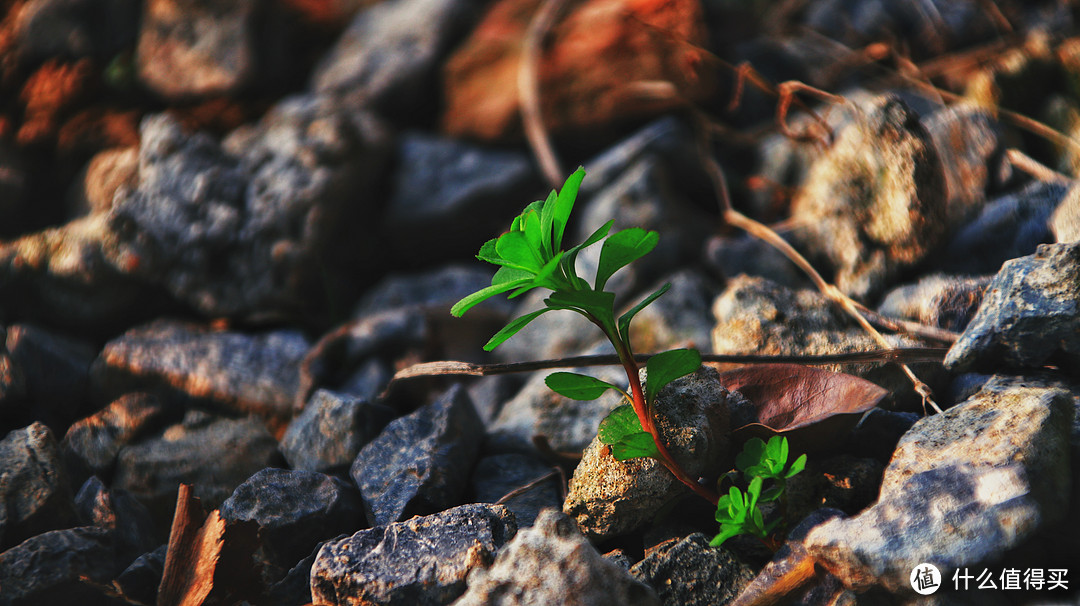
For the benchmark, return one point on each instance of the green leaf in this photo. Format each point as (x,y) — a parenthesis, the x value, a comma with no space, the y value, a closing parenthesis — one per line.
(621,249)
(488,253)
(663,368)
(468,302)
(622,430)
(624,320)
(547,213)
(777,450)
(577,387)
(796,467)
(564,203)
(530,226)
(772,494)
(512,328)
(752,453)
(516,251)
(726,532)
(599,304)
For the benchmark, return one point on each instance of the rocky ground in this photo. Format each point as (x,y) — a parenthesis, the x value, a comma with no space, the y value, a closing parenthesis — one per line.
(224,226)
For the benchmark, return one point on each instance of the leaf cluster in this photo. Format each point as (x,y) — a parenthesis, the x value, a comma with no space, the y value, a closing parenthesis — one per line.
(738,512)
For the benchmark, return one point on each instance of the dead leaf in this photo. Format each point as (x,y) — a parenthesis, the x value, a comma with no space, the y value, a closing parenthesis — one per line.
(814,408)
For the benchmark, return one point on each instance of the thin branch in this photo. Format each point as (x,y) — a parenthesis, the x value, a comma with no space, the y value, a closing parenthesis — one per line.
(1035,168)
(529,90)
(520,490)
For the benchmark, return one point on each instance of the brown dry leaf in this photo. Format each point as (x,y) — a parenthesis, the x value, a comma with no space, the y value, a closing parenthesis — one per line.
(811,406)
(208,560)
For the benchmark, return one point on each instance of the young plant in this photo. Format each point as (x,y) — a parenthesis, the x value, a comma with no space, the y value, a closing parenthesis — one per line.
(530,256)
(739,513)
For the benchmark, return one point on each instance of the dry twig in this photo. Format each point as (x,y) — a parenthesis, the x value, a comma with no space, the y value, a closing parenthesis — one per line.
(529,90)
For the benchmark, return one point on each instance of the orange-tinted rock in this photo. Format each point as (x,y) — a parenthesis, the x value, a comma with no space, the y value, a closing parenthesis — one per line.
(596,56)
(51,89)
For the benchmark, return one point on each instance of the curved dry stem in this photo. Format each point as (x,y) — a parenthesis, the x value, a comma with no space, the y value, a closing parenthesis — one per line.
(529,91)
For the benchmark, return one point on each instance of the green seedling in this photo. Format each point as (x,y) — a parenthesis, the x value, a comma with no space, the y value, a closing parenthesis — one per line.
(739,513)
(531,255)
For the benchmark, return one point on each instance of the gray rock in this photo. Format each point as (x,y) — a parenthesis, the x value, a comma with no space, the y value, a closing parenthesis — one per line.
(34,492)
(140,580)
(435,290)
(497,476)
(667,139)
(236,372)
(680,318)
(1029,315)
(745,254)
(369,380)
(552,563)
(389,56)
(328,434)
(875,203)
(295,587)
(969,144)
(842,482)
(490,393)
(976,481)
(423,561)
(569,425)
(45,377)
(939,300)
(1007,227)
(294,510)
(192,48)
(609,498)
(116,510)
(49,568)
(442,182)
(756,316)
(420,463)
(213,454)
(691,573)
(556,334)
(91,444)
(1065,221)
(75,28)
(878,432)
(234,230)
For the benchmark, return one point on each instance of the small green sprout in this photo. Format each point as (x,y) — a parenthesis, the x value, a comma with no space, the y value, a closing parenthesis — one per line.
(530,256)
(737,512)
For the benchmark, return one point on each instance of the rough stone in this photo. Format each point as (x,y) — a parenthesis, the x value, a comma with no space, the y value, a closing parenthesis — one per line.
(295,510)
(423,561)
(731,256)
(435,290)
(691,573)
(552,335)
(237,372)
(875,203)
(496,476)
(420,463)
(234,229)
(48,568)
(140,580)
(552,563)
(107,172)
(75,28)
(968,142)
(328,434)
(45,377)
(213,454)
(444,182)
(976,481)
(842,482)
(388,58)
(680,318)
(192,48)
(609,498)
(944,301)
(667,139)
(295,587)
(116,510)
(91,445)
(34,492)
(1065,222)
(1007,227)
(1029,315)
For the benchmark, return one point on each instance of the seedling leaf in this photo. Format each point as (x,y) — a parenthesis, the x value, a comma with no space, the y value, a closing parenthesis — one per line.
(516,251)
(577,387)
(622,430)
(797,466)
(663,368)
(564,203)
(512,328)
(468,302)
(621,249)
(624,320)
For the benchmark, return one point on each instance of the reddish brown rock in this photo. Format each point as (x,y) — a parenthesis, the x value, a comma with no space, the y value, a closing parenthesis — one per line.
(596,56)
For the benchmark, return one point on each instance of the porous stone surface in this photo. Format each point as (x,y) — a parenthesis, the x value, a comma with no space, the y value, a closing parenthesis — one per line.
(1065,222)
(939,300)
(1029,315)
(553,563)
(875,203)
(608,498)
(689,572)
(422,561)
(294,510)
(213,454)
(238,372)
(420,463)
(969,144)
(976,481)
(48,568)
(34,493)
(328,434)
